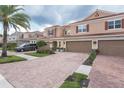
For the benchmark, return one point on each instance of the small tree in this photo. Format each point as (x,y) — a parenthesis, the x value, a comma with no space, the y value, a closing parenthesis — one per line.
(41,43)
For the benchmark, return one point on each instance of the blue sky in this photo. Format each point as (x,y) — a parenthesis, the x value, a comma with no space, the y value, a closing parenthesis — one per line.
(48,15)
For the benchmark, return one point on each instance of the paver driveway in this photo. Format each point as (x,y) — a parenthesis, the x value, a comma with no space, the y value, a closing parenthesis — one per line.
(107,72)
(49,71)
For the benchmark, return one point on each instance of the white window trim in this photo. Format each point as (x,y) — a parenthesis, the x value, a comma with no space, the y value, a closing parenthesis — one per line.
(83,26)
(50,31)
(114,24)
(68,32)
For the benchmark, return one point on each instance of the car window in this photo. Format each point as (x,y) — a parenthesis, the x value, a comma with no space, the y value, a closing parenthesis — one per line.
(22,45)
(26,45)
(33,44)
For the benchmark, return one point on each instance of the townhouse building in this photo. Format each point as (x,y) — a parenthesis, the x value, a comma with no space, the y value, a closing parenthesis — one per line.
(54,31)
(25,37)
(102,30)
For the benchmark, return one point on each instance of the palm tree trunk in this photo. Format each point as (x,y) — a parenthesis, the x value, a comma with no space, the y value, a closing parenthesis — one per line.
(4,48)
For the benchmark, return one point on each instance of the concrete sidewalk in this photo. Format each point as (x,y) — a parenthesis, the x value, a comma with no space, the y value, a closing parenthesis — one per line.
(84,69)
(4,83)
(21,54)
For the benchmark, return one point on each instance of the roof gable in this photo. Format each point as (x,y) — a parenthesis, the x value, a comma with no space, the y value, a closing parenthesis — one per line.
(99,13)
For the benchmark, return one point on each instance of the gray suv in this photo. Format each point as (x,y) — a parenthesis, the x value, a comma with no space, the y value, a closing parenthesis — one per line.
(26,47)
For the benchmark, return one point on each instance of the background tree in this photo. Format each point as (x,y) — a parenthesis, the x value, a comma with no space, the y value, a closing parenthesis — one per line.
(41,43)
(11,16)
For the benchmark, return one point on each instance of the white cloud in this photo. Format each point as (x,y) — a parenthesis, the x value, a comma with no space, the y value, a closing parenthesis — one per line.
(44,26)
(72,21)
(113,8)
(36,27)
(34,10)
(59,18)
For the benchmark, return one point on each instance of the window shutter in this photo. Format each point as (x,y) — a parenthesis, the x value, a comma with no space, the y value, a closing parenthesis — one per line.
(76,29)
(122,23)
(55,32)
(87,27)
(106,25)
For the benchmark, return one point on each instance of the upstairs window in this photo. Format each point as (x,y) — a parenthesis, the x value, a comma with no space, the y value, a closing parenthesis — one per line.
(22,36)
(65,32)
(111,24)
(114,24)
(82,28)
(50,32)
(118,24)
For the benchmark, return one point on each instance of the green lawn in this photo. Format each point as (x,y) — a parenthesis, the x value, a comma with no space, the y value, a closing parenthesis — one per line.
(91,58)
(37,54)
(70,84)
(78,77)
(0,48)
(73,81)
(11,59)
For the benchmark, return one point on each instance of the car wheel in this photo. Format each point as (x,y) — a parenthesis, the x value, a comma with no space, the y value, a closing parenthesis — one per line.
(22,50)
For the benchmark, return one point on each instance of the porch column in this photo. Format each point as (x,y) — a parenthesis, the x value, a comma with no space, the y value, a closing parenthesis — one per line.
(61,44)
(58,43)
(64,44)
(51,44)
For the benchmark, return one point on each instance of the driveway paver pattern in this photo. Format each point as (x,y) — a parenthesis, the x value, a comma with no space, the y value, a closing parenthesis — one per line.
(107,72)
(49,71)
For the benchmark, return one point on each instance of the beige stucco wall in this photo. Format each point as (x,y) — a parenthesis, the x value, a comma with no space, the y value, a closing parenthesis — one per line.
(96,26)
(26,35)
(57,31)
(99,13)
(45,33)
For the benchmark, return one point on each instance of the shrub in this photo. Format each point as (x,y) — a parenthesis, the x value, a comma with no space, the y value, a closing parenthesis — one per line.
(46,51)
(91,58)
(11,46)
(41,43)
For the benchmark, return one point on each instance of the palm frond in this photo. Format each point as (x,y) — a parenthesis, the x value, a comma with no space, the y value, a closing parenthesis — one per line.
(15,18)
(21,19)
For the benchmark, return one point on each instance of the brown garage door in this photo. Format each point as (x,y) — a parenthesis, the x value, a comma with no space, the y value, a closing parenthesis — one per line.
(78,46)
(115,48)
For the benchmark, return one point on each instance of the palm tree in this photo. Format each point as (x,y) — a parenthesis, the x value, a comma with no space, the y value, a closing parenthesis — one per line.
(12,17)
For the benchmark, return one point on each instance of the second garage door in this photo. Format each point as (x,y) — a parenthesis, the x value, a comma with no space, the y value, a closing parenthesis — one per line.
(111,47)
(78,46)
